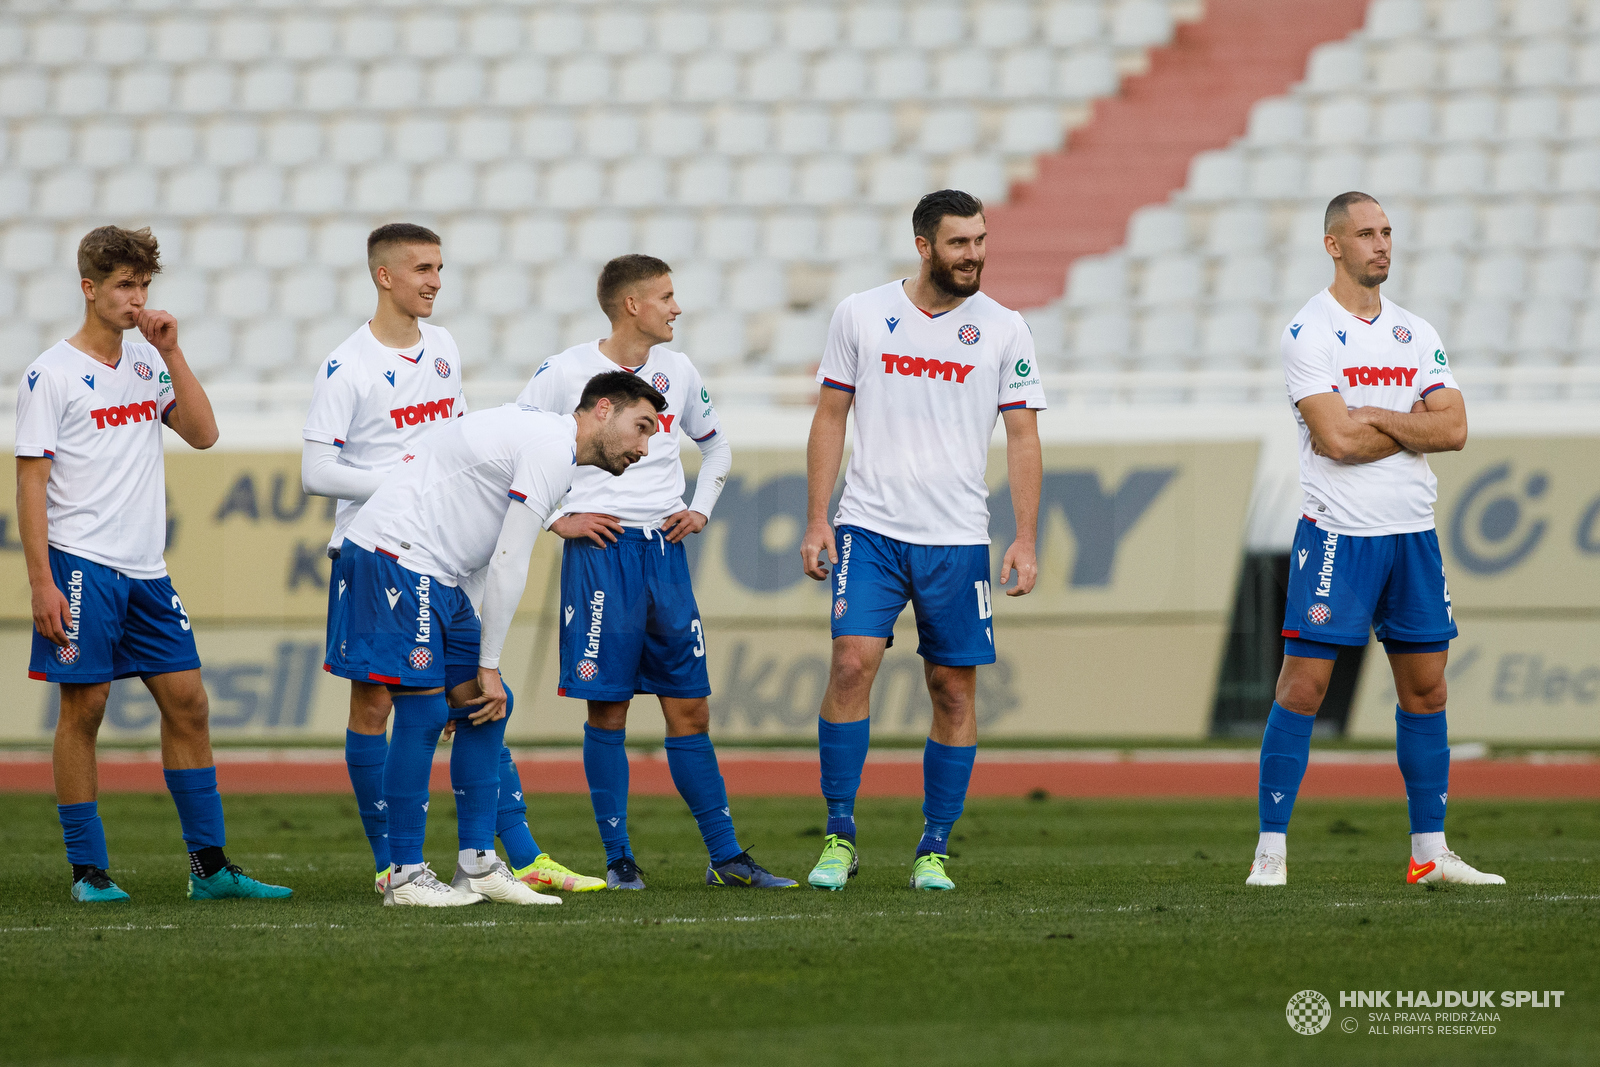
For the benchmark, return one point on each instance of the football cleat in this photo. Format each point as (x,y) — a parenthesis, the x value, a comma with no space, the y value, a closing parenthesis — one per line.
(928,872)
(231,883)
(499,885)
(837,865)
(623,873)
(546,873)
(380,881)
(96,887)
(424,890)
(1449,868)
(742,872)
(1268,869)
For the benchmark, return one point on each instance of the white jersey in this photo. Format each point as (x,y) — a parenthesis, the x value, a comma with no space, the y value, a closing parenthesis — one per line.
(100,426)
(928,390)
(1390,362)
(652,488)
(441,511)
(373,402)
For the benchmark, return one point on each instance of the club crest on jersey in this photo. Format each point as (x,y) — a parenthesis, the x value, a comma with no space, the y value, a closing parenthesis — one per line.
(33,377)
(1294,330)
(441,367)
(968,334)
(389,374)
(421,658)
(891,323)
(1402,335)
(143,370)
(660,382)
(333,365)
(840,606)
(587,670)
(67,655)
(1319,614)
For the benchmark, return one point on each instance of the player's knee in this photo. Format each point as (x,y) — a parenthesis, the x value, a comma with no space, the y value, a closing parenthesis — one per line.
(851,672)
(951,692)
(687,716)
(1425,700)
(1301,694)
(82,712)
(606,715)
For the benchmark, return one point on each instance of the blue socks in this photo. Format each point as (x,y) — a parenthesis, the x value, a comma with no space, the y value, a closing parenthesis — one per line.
(605,764)
(843,749)
(1423,751)
(199,806)
(693,763)
(418,720)
(475,777)
(84,833)
(511,816)
(946,770)
(364,756)
(1285,747)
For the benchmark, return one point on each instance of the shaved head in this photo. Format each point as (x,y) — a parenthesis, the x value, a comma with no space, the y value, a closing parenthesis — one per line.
(1338,212)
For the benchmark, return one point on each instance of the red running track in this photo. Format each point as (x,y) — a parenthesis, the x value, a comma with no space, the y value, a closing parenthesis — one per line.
(896,778)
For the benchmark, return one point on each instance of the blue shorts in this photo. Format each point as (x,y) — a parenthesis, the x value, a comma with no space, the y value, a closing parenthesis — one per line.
(629,622)
(1340,585)
(947,586)
(125,626)
(397,627)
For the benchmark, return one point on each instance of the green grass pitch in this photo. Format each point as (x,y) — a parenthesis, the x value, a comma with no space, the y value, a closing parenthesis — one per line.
(1094,932)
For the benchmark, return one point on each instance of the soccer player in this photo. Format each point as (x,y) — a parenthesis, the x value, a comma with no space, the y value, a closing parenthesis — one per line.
(388,384)
(913,523)
(91,502)
(470,497)
(629,621)
(1372,395)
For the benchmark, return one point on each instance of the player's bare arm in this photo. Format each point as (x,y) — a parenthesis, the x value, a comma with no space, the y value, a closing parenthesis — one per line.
(51,616)
(1025,470)
(601,529)
(824,451)
(1439,426)
(681,524)
(1339,437)
(191,417)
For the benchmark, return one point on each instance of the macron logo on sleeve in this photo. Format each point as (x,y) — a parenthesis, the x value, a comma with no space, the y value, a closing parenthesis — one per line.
(333,365)
(1294,331)
(33,378)
(1340,335)
(892,323)
(88,379)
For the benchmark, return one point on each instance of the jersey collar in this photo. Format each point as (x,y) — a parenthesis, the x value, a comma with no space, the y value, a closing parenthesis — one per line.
(929,315)
(1345,311)
(96,362)
(373,339)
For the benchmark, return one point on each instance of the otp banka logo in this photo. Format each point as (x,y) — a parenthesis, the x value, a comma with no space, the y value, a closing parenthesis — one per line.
(1495,525)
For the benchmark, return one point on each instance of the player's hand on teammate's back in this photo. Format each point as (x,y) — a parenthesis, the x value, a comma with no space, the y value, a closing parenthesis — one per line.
(51,615)
(160,329)
(818,538)
(492,703)
(681,524)
(1022,558)
(597,528)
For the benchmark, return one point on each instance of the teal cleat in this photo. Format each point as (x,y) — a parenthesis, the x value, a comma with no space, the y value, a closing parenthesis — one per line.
(837,865)
(928,872)
(96,887)
(231,883)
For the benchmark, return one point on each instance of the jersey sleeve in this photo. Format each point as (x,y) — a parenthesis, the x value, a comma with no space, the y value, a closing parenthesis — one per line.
(1308,367)
(841,356)
(334,395)
(1021,385)
(1433,370)
(41,405)
(700,420)
(545,389)
(542,477)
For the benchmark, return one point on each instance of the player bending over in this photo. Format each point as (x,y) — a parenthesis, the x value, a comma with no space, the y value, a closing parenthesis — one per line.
(91,501)
(1372,395)
(387,385)
(471,495)
(928,363)
(629,619)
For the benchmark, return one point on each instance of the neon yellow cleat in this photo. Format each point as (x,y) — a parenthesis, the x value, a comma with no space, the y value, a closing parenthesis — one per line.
(546,873)
(837,865)
(928,872)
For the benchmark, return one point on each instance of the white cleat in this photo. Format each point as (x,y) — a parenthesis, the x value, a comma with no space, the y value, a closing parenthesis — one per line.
(1449,868)
(424,890)
(499,885)
(380,881)
(1270,869)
